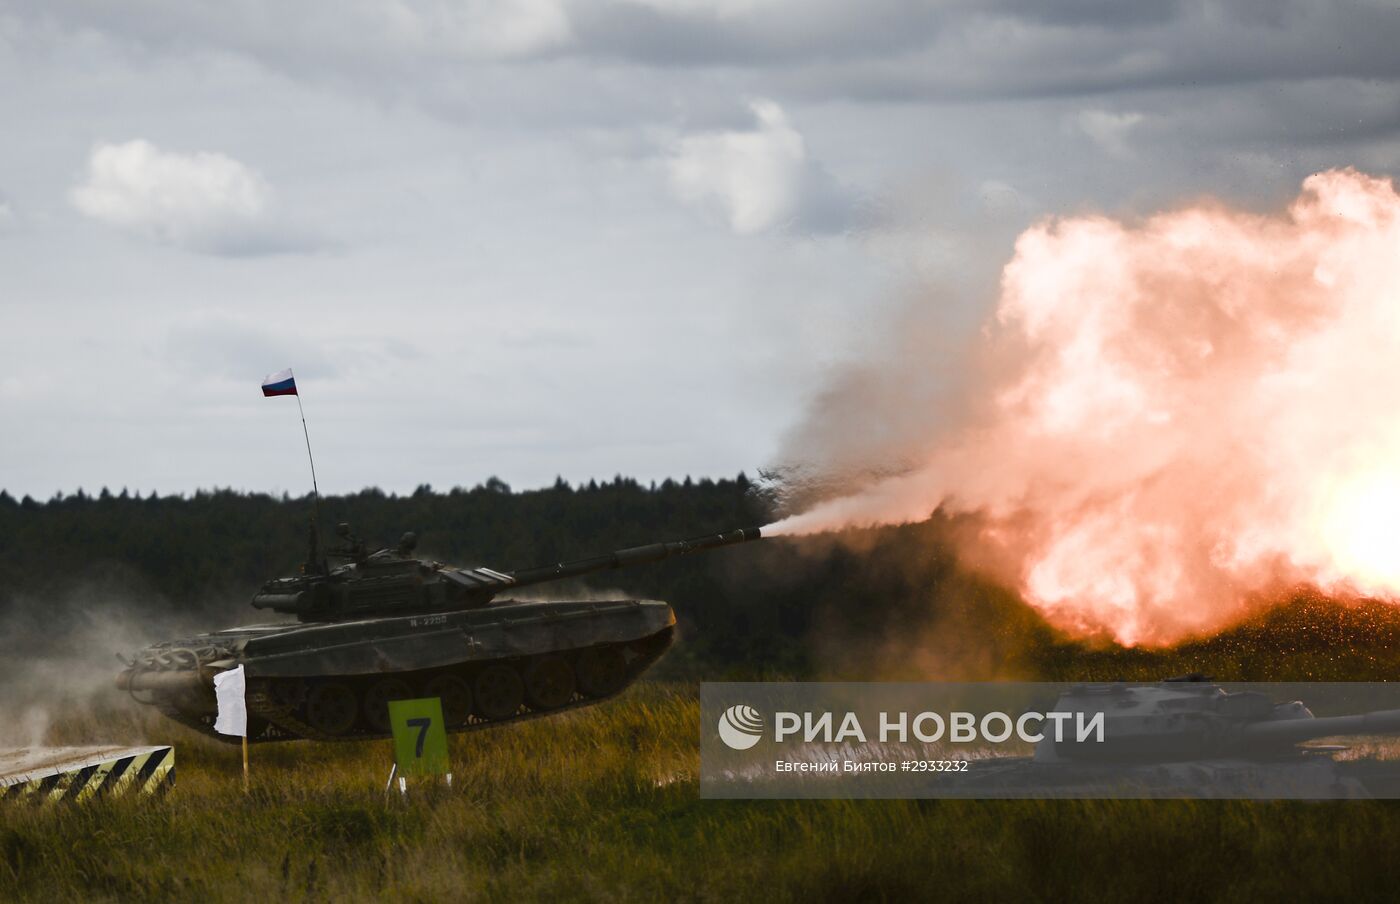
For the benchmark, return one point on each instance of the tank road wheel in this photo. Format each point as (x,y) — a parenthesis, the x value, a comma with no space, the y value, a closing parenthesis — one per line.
(287,692)
(331,708)
(456,697)
(549,683)
(498,692)
(601,671)
(377,697)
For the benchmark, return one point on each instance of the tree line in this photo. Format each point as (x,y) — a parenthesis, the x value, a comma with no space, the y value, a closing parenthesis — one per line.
(879,603)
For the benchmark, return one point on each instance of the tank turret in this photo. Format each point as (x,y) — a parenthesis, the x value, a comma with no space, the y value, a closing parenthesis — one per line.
(392,582)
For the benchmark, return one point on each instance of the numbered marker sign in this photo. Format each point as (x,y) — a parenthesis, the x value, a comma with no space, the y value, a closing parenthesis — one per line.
(420,738)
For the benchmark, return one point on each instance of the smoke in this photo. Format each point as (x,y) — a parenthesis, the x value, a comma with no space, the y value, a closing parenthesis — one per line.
(1166,421)
(58,663)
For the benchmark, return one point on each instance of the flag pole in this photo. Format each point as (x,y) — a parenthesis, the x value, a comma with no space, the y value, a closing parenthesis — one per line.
(245,760)
(315,491)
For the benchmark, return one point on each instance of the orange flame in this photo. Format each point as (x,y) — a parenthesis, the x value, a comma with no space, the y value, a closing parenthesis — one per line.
(1181,415)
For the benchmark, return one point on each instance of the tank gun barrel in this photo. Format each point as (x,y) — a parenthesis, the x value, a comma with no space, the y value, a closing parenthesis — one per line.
(1288,731)
(637,555)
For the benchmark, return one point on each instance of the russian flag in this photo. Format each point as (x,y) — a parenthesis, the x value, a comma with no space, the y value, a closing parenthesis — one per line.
(280,383)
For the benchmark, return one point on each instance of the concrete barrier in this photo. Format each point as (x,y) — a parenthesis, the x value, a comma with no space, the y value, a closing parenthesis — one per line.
(82,773)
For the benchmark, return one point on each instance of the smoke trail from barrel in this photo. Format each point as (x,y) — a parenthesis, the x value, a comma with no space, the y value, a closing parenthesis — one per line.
(1172,418)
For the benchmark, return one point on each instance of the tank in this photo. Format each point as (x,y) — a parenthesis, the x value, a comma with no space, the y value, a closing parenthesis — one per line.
(1190,737)
(386,625)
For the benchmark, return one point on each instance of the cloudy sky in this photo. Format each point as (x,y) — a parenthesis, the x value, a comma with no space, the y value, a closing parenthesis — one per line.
(544,237)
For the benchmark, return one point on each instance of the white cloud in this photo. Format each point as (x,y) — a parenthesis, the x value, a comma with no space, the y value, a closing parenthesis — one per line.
(201,201)
(755,177)
(1108,130)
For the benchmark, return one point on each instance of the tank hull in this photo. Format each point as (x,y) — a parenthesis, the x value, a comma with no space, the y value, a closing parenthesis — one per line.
(332,681)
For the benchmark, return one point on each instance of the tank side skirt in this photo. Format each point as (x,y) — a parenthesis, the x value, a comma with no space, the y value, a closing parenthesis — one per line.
(440,647)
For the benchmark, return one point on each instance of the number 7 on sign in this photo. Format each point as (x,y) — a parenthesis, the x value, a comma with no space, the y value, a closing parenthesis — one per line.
(422,724)
(420,741)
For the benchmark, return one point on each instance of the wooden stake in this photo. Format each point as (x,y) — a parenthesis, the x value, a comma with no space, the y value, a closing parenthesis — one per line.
(245,761)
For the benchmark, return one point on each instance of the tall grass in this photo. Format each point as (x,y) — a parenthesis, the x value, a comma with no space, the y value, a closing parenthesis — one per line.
(603,804)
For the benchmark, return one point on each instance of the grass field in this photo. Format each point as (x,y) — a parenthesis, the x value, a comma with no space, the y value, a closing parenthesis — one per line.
(603,804)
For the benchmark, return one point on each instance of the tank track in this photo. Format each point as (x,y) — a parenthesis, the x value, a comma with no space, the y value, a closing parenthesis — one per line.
(273,717)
